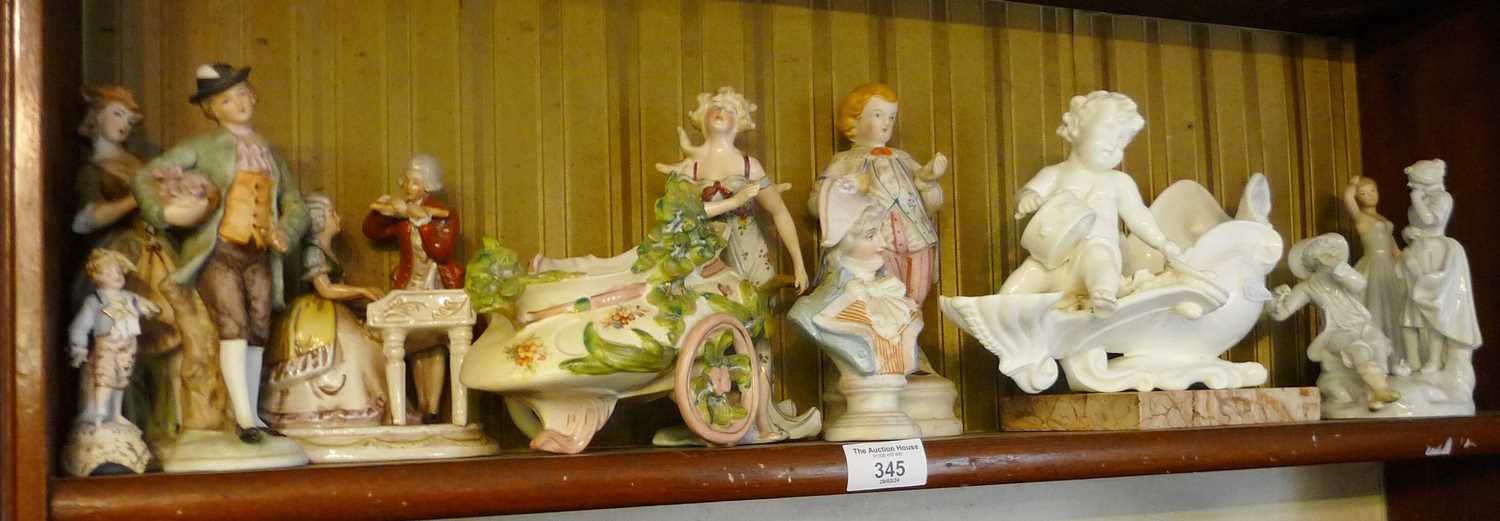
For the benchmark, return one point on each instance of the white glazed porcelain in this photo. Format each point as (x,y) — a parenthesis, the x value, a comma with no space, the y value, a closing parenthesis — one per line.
(1352,350)
(1195,283)
(1439,327)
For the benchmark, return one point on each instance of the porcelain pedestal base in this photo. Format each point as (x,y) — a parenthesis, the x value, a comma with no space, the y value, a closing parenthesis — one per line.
(873,411)
(106,448)
(197,451)
(928,399)
(393,442)
(1128,411)
(1421,396)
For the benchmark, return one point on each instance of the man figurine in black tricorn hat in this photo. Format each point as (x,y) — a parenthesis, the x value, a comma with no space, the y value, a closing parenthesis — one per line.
(234,248)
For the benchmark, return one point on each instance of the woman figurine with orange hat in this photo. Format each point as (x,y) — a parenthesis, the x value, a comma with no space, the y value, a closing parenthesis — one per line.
(109,212)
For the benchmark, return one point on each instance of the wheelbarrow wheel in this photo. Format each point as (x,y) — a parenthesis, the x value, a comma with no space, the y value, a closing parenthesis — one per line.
(708,388)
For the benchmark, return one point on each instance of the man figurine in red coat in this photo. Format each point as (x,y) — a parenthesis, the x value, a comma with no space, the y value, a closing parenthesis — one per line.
(427,234)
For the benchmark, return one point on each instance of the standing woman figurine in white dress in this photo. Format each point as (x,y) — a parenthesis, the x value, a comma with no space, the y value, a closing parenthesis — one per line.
(1439,315)
(1385,293)
(729,179)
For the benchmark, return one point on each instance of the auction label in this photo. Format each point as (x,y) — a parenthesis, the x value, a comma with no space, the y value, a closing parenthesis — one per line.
(886,464)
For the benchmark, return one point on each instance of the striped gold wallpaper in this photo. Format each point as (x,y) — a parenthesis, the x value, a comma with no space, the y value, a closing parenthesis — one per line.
(550,114)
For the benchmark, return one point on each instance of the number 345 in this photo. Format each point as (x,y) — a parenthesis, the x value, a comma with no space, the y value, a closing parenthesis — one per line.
(890,469)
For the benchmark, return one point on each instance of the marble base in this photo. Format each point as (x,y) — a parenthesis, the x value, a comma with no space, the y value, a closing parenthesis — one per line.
(928,399)
(197,451)
(393,442)
(92,448)
(1159,409)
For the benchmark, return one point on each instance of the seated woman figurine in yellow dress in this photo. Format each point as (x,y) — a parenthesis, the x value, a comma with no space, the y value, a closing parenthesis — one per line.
(325,369)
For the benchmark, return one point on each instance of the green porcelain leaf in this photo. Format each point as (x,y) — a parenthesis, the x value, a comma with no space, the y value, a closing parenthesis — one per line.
(607,357)
(495,277)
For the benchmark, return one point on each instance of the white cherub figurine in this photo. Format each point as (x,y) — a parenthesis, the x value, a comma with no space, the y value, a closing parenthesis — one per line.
(1350,340)
(1088,192)
(111,316)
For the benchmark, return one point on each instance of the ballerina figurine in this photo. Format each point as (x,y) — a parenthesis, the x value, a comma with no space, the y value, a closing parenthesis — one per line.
(1385,294)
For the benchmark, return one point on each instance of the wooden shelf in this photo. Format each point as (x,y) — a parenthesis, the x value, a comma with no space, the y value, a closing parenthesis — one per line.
(531,482)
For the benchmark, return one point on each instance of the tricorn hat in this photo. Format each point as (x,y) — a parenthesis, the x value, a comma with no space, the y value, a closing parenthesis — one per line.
(1296,259)
(216,78)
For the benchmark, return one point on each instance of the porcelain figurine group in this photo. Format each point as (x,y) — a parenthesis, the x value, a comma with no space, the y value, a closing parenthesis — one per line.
(185,281)
(1399,328)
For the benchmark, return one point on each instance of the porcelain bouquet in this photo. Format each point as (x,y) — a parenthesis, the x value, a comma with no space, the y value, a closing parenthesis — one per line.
(1184,287)
(571,337)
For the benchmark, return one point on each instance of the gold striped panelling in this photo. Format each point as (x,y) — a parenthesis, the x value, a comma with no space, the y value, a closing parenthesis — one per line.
(550,115)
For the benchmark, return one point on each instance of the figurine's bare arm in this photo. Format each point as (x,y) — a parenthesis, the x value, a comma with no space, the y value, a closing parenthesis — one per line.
(1288,301)
(98,212)
(1351,204)
(1138,218)
(771,202)
(1036,191)
(733,202)
(330,290)
(101,214)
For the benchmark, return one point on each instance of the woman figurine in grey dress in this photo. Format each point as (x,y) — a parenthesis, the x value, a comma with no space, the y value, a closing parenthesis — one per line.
(325,368)
(1385,293)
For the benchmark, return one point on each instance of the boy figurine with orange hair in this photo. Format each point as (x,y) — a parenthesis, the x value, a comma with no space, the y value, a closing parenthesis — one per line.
(896,198)
(907,192)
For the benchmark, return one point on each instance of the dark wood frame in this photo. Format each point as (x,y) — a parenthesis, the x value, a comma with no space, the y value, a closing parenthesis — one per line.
(33,146)
(1421,96)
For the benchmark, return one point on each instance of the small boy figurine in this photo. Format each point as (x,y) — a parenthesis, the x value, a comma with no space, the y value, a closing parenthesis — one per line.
(112,316)
(1350,338)
(908,192)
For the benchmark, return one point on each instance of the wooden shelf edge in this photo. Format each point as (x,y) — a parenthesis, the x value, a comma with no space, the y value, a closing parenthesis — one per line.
(532,482)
